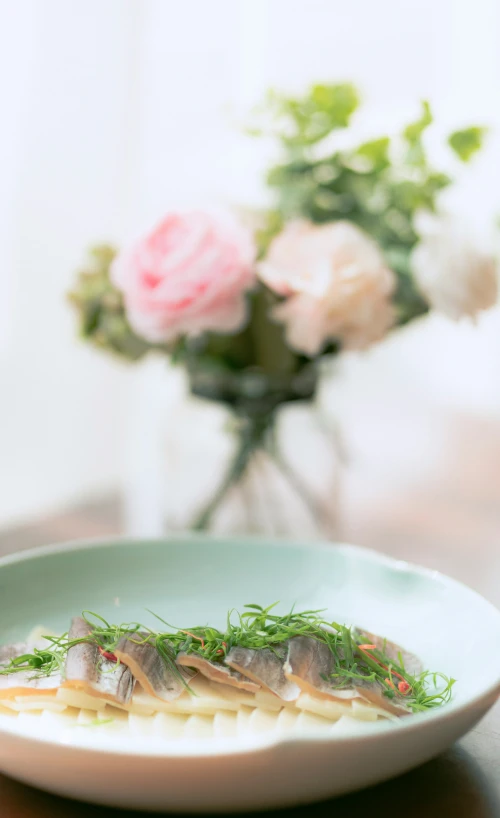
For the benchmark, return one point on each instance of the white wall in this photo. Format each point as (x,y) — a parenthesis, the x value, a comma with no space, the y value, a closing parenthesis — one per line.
(113,112)
(64,69)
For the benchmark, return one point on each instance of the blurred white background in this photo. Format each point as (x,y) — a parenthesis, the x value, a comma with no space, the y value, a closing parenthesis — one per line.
(114,112)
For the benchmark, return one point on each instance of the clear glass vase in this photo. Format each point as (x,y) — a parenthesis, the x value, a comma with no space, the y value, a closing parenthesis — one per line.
(241,455)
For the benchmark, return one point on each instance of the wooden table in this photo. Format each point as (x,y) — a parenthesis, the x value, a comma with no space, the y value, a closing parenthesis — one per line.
(450,521)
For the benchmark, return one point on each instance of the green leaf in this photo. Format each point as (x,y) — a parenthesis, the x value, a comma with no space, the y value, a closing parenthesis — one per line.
(438,181)
(337,101)
(414,131)
(376,152)
(303,121)
(467,142)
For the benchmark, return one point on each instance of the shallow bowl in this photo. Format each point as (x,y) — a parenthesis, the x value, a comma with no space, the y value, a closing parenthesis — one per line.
(195,580)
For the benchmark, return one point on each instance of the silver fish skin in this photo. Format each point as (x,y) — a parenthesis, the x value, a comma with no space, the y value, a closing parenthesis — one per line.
(311,665)
(265,666)
(217,672)
(87,670)
(8,652)
(24,682)
(149,668)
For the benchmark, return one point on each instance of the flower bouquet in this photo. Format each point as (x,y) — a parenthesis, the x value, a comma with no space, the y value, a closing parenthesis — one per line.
(352,248)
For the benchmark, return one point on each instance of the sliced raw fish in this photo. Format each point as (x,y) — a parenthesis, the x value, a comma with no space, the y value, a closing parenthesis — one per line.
(217,672)
(412,663)
(24,682)
(265,666)
(374,692)
(86,669)
(150,669)
(8,652)
(310,664)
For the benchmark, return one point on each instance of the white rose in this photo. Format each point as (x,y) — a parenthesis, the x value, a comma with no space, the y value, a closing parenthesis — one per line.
(337,283)
(454,275)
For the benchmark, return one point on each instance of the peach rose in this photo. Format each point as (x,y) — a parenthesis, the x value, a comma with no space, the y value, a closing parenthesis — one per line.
(337,283)
(189,275)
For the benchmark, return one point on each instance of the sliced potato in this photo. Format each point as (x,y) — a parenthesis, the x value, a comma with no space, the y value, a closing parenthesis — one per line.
(263,721)
(169,725)
(307,722)
(225,724)
(20,703)
(327,708)
(199,727)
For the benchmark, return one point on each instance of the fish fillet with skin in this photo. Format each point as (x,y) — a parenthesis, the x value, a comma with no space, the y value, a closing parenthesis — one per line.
(24,682)
(310,664)
(150,669)
(97,676)
(412,663)
(216,672)
(265,667)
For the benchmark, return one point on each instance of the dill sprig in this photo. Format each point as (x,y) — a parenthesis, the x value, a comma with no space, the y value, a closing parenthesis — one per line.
(255,628)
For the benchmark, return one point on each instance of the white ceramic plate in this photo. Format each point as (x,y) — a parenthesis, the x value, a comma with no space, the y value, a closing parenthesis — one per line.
(197,579)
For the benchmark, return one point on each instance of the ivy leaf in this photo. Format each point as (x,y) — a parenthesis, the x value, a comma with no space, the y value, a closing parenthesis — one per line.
(438,181)
(338,102)
(467,142)
(376,153)
(305,120)
(414,131)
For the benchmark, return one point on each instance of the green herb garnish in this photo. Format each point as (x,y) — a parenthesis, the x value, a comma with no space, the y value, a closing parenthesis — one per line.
(256,628)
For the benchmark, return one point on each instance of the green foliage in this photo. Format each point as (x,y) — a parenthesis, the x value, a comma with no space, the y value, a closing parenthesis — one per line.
(413,132)
(260,345)
(254,628)
(309,119)
(379,185)
(375,154)
(467,142)
(103,321)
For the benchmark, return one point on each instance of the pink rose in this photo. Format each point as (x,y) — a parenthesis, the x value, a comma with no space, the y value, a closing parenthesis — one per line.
(187,276)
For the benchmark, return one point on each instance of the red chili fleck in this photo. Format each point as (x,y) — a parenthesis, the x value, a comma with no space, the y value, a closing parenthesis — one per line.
(108,655)
(221,652)
(404,688)
(390,683)
(367,647)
